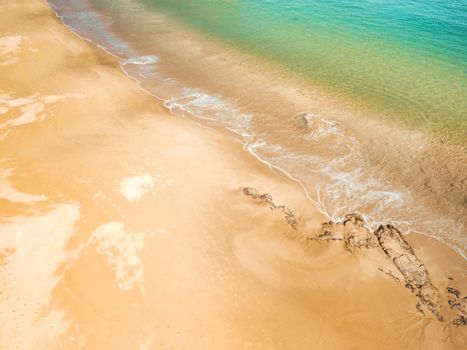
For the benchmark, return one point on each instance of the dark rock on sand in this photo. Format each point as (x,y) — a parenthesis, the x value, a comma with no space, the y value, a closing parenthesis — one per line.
(458,306)
(454,292)
(352,231)
(415,273)
(355,235)
(289,216)
(266,198)
(461,321)
(254,194)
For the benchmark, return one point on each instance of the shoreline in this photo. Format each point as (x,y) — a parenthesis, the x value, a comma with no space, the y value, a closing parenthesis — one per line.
(248,141)
(244,145)
(126,227)
(160,99)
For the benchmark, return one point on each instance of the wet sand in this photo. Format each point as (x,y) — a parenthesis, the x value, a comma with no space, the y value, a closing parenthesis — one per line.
(124,227)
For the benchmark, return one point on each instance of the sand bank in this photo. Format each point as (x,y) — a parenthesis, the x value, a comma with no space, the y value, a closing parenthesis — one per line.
(124,227)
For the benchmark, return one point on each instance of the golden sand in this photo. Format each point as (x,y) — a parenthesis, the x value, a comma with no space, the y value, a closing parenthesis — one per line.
(123,227)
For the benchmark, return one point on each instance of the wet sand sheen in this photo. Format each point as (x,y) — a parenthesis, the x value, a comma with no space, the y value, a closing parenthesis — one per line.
(124,227)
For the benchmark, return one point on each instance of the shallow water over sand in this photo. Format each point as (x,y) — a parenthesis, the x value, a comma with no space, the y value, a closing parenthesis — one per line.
(346,160)
(404,59)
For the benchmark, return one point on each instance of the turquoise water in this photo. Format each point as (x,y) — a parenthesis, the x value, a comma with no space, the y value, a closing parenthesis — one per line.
(402,61)
(405,60)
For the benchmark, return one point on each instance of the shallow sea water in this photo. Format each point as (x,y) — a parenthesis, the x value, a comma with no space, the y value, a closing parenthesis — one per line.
(402,62)
(406,58)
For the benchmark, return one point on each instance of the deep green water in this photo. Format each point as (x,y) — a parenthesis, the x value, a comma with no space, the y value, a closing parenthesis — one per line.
(405,60)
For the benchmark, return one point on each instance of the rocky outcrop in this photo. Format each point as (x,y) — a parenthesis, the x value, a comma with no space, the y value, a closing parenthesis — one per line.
(415,273)
(266,198)
(389,242)
(454,292)
(458,306)
(355,235)
(352,231)
(254,194)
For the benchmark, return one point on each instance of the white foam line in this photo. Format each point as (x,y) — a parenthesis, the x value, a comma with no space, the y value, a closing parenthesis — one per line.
(245,145)
(318,204)
(80,36)
(122,61)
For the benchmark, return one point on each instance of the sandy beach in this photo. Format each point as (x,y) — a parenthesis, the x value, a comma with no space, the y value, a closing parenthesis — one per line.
(123,226)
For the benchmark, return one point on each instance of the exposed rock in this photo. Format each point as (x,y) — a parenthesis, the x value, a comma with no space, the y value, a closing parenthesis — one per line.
(266,198)
(254,194)
(458,306)
(461,321)
(250,192)
(420,308)
(454,292)
(354,235)
(352,231)
(415,273)
(429,295)
(332,231)
(392,242)
(289,216)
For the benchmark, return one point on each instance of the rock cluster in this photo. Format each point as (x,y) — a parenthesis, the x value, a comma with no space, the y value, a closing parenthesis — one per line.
(266,198)
(458,306)
(355,235)
(254,194)
(352,231)
(415,273)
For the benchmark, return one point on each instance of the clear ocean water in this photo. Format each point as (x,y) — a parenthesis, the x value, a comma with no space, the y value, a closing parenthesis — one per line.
(407,58)
(402,62)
